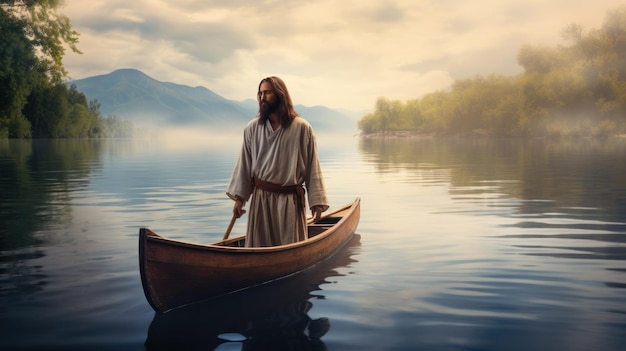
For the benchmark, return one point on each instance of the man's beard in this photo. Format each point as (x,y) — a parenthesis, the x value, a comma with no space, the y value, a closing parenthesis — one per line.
(267,108)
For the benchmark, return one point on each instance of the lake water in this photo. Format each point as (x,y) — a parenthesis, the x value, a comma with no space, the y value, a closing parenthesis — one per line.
(464,244)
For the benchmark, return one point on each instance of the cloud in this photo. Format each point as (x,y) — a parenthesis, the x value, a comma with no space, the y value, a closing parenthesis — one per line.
(334,53)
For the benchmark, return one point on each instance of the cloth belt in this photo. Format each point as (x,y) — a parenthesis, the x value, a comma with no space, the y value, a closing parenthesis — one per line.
(297,189)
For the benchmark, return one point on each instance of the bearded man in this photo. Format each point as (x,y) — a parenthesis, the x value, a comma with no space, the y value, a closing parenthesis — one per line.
(277,160)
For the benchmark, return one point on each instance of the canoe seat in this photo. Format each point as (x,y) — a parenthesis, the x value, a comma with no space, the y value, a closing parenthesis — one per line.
(322,225)
(328,220)
(317,229)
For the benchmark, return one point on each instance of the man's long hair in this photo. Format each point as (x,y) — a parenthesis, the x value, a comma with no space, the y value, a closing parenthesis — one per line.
(285,109)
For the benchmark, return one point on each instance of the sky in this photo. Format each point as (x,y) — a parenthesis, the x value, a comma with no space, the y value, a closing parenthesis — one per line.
(343,54)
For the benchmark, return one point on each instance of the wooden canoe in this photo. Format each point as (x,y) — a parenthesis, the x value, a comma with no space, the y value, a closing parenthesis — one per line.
(175,273)
(273,314)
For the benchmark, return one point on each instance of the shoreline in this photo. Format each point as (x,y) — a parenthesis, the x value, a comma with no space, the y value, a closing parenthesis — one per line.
(473,134)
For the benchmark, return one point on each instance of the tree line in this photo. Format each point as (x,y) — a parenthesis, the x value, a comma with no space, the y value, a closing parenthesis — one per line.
(35,102)
(574,89)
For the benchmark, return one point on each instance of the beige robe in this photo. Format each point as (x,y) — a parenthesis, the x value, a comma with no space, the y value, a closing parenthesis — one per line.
(285,156)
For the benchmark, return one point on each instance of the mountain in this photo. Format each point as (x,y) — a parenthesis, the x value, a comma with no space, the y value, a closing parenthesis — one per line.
(131,94)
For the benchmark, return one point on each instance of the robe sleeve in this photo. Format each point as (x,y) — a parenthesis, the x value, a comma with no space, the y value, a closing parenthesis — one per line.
(314,181)
(240,184)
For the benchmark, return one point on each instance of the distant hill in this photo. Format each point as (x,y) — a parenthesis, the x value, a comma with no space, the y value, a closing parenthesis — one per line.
(133,95)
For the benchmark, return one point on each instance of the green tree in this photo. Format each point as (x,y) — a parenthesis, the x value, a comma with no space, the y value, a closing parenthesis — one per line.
(18,66)
(436,111)
(47,30)
(369,124)
(33,36)
(46,109)
(610,65)
(117,128)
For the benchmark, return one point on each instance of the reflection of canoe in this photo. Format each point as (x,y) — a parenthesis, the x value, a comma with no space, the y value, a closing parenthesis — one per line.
(175,273)
(272,316)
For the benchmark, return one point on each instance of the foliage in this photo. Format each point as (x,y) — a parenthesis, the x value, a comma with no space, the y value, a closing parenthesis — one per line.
(17,69)
(114,127)
(34,101)
(575,89)
(47,30)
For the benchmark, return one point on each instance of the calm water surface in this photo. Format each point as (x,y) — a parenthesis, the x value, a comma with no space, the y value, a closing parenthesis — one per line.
(463,245)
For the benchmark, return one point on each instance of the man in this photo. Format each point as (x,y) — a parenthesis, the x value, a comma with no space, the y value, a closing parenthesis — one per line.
(278,157)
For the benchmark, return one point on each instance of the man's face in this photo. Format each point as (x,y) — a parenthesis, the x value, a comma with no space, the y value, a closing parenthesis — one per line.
(268,101)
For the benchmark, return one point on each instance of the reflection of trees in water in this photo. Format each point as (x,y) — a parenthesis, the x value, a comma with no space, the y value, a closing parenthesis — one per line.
(565,190)
(35,183)
(582,173)
(272,316)
(36,177)
(19,276)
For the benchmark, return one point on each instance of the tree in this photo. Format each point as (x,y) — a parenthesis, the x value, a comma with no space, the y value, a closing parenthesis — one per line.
(369,123)
(47,30)
(18,66)
(46,109)
(34,36)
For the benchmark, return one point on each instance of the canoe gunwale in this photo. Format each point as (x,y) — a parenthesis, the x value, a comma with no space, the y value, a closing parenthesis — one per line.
(218,246)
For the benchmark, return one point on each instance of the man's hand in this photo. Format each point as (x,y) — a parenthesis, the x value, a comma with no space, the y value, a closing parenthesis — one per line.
(317,211)
(238,210)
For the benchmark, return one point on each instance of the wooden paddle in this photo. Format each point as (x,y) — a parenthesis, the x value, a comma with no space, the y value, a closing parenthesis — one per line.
(230,227)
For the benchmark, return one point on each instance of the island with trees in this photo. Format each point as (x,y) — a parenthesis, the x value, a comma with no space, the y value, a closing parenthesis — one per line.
(577,89)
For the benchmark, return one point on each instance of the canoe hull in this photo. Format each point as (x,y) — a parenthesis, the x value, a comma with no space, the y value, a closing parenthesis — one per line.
(175,273)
